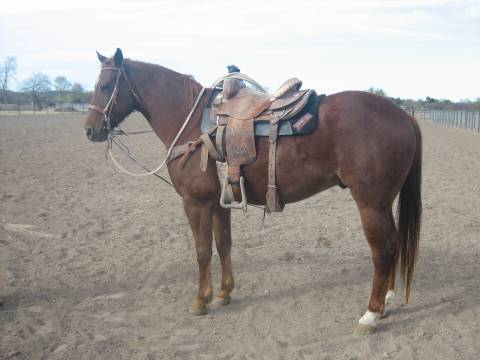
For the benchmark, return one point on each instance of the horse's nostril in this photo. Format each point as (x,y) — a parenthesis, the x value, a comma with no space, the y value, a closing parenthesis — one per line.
(88,132)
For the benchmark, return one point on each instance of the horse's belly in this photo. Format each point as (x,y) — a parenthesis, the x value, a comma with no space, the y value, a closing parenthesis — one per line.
(303,168)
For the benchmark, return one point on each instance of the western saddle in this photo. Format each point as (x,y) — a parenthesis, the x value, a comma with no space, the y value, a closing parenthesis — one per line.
(235,110)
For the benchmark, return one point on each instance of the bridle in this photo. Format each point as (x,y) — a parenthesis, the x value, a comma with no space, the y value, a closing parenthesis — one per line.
(107,110)
(111,137)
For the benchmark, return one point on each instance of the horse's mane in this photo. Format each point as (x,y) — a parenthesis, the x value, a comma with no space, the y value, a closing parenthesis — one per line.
(192,87)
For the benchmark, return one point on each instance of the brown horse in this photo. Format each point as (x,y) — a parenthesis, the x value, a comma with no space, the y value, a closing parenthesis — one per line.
(362,141)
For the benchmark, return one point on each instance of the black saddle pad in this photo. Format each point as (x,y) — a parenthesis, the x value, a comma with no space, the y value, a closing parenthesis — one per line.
(304,122)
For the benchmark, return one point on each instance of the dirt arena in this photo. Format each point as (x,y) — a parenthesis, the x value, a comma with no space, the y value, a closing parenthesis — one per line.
(98,265)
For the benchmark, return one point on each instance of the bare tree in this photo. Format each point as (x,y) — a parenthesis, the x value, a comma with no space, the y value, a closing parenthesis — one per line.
(7,72)
(36,84)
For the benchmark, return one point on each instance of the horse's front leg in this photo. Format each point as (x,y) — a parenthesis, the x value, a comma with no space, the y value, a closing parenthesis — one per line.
(222,232)
(200,217)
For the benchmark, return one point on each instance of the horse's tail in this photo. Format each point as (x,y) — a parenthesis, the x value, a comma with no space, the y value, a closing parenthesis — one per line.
(409,211)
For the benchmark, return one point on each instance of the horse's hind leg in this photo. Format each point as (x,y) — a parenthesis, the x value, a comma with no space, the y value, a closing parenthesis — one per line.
(391,276)
(378,229)
(223,239)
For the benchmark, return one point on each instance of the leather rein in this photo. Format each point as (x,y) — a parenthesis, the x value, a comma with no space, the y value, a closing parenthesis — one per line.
(185,149)
(112,138)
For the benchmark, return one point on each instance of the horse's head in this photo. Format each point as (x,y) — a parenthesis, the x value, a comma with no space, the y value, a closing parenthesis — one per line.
(113,98)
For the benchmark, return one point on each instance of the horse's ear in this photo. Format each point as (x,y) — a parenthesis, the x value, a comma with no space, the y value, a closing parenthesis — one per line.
(118,57)
(101,58)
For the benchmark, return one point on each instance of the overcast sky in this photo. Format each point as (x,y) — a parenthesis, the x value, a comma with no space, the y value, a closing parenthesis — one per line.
(410,48)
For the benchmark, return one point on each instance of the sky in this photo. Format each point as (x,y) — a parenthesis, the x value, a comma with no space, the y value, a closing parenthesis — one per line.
(409,48)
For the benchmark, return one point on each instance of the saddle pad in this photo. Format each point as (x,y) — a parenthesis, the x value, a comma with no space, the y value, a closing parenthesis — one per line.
(304,122)
(300,124)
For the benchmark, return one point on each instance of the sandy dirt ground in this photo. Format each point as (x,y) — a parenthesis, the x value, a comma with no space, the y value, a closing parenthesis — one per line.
(98,265)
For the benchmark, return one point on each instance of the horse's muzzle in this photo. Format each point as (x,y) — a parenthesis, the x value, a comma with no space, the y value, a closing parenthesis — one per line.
(96,135)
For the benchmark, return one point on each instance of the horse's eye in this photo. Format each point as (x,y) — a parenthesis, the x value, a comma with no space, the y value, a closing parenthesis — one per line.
(103,88)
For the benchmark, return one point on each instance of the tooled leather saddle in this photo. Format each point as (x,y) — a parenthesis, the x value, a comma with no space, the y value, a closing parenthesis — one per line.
(235,114)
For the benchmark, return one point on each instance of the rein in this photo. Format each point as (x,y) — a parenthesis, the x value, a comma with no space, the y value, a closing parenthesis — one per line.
(167,157)
(123,147)
(113,133)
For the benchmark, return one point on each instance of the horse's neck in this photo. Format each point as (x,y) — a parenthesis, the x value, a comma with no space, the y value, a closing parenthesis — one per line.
(167,101)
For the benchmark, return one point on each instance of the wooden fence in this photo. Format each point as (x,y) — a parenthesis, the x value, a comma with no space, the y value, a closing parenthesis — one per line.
(469,120)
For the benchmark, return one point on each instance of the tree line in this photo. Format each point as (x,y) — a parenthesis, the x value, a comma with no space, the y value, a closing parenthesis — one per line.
(38,89)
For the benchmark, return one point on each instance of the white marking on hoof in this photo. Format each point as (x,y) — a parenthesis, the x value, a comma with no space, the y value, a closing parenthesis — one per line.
(389,297)
(369,319)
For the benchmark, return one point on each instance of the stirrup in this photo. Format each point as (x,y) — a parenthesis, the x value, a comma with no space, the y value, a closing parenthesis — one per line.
(233,205)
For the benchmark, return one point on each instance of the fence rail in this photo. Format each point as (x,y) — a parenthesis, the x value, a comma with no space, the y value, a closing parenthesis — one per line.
(469,120)
(57,108)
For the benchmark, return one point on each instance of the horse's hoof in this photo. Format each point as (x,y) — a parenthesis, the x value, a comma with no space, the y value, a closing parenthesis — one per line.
(362,329)
(219,301)
(198,310)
